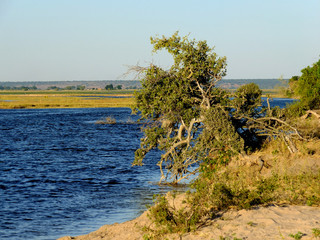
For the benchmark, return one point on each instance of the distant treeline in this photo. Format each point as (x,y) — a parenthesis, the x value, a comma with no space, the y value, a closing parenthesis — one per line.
(126,84)
(78,87)
(60,85)
(24,88)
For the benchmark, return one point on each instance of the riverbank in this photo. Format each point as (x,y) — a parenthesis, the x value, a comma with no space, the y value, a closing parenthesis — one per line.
(15,99)
(274,222)
(277,220)
(65,99)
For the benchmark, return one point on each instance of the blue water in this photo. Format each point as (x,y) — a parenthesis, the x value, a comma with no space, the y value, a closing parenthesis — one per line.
(63,174)
(281,102)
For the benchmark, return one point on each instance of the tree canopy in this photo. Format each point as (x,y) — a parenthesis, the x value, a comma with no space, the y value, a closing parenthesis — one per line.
(307,87)
(198,127)
(191,120)
(173,100)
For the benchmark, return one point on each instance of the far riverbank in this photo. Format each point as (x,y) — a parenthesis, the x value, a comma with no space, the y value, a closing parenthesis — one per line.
(65,99)
(78,99)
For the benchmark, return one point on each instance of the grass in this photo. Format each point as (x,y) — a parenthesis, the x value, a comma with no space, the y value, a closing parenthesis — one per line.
(68,92)
(17,99)
(297,236)
(241,186)
(316,232)
(65,99)
(107,120)
(226,192)
(273,93)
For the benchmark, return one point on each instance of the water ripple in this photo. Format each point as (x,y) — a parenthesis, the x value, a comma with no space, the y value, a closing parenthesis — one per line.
(60,173)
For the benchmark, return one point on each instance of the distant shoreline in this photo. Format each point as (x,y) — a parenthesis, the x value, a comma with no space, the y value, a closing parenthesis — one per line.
(65,99)
(135,84)
(18,99)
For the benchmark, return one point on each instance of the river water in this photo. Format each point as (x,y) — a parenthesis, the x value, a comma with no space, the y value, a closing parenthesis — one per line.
(63,174)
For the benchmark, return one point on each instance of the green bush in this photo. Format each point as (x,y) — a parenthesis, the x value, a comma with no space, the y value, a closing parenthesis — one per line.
(307,88)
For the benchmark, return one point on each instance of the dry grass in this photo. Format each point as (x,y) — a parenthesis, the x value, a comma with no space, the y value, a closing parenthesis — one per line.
(273,93)
(107,120)
(18,101)
(285,178)
(72,99)
(309,127)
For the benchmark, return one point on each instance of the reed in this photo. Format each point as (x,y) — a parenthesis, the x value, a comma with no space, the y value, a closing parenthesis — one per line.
(273,93)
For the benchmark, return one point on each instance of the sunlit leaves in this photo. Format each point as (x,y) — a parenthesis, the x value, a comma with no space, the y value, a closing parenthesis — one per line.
(178,96)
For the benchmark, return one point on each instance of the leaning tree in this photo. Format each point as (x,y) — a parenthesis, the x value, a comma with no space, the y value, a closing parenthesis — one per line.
(176,103)
(191,120)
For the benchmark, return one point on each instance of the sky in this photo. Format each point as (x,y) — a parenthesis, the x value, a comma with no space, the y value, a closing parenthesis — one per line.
(63,40)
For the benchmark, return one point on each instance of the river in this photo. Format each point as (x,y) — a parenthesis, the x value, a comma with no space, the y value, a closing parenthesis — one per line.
(63,174)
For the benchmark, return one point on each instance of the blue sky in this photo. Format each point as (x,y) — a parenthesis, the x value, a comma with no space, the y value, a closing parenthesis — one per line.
(57,40)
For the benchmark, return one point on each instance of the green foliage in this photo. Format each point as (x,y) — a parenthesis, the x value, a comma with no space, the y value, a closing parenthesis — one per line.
(169,219)
(247,105)
(247,99)
(225,187)
(162,215)
(252,224)
(297,236)
(24,88)
(295,110)
(80,87)
(212,164)
(225,192)
(172,101)
(219,133)
(316,232)
(229,238)
(293,82)
(186,115)
(146,237)
(199,126)
(307,88)
(109,87)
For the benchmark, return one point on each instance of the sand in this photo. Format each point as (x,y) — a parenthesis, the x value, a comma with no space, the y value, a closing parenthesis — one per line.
(274,222)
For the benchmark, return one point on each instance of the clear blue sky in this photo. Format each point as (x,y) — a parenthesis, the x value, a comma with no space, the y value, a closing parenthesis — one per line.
(57,40)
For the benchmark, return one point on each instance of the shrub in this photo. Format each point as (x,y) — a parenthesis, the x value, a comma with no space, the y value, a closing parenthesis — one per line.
(107,120)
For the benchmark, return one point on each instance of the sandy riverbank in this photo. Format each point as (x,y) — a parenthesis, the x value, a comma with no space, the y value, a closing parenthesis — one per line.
(274,222)
(277,221)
